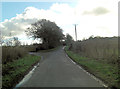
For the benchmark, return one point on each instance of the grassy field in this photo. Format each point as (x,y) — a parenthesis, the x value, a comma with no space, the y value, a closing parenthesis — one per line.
(14,71)
(101,69)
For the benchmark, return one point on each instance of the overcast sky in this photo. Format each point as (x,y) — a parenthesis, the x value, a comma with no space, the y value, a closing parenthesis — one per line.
(93,17)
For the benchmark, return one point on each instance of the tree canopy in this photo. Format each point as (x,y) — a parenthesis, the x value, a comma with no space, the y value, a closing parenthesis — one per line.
(50,34)
(69,39)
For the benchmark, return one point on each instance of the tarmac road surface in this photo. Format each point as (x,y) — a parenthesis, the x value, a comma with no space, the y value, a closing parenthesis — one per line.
(57,70)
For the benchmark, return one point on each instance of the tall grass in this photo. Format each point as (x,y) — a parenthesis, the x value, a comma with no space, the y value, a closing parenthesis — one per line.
(98,48)
(12,53)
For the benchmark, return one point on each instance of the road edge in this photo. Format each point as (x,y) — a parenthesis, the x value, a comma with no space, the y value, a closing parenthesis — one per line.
(28,75)
(83,69)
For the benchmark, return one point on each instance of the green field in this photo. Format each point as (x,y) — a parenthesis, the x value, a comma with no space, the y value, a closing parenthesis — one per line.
(14,71)
(101,69)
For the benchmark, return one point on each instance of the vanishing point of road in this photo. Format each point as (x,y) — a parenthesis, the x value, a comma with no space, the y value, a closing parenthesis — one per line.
(57,70)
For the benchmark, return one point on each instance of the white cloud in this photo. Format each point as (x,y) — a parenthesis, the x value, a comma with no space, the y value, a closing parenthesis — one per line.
(65,16)
(97,11)
(98,25)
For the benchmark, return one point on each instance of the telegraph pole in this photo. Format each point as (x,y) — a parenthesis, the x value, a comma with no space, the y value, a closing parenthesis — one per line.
(75,26)
(75,32)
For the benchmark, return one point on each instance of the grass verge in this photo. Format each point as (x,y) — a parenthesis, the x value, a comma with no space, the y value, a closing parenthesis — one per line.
(106,72)
(14,71)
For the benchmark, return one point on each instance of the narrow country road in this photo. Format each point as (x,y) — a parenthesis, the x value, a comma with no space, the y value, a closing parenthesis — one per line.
(57,70)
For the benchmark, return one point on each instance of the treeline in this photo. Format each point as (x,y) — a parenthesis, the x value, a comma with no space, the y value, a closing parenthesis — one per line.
(99,48)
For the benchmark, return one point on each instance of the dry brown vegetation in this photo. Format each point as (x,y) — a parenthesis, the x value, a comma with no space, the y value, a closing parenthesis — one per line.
(10,53)
(98,48)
